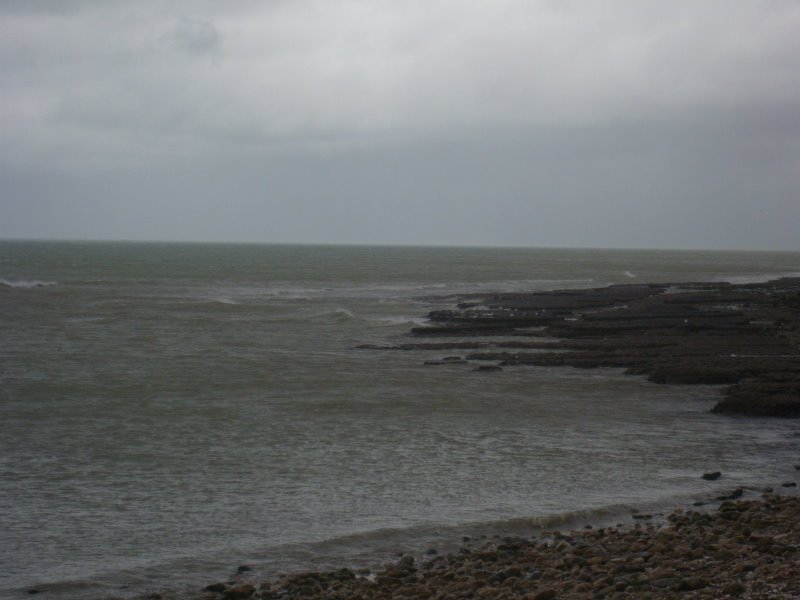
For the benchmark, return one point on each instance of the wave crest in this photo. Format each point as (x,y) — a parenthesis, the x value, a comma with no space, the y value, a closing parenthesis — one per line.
(26,283)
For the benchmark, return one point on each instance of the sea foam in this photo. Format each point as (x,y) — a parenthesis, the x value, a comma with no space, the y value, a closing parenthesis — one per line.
(25,283)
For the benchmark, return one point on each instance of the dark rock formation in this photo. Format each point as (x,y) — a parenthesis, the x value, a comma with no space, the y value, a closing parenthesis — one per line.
(486,368)
(744,336)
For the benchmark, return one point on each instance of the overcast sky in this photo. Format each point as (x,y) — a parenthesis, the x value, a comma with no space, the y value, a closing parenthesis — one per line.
(606,123)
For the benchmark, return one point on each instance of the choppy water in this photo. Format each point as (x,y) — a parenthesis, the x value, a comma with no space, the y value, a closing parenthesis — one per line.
(168,412)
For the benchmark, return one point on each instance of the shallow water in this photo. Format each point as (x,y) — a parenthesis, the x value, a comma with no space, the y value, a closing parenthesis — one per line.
(169,411)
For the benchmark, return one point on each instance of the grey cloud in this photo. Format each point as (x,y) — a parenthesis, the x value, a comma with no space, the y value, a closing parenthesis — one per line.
(539,122)
(196,36)
(307,69)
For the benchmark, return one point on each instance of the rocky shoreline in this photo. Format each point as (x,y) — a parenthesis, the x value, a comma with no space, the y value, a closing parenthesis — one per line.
(742,548)
(745,544)
(744,336)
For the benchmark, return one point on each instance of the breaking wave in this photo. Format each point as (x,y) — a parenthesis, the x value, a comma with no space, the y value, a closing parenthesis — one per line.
(755,278)
(399,320)
(25,283)
(336,315)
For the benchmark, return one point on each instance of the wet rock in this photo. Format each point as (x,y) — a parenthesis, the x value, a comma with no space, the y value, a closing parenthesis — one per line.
(488,368)
(406,562)
(216,587)
(743,335)
(240,592)
(787,484)
(344,575)
(713,476)
(737,493)
(243,569)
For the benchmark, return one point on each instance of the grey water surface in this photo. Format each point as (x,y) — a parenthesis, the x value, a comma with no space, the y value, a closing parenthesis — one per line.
(170,411)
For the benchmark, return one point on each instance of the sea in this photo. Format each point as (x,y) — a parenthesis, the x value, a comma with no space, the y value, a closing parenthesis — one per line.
(170,411)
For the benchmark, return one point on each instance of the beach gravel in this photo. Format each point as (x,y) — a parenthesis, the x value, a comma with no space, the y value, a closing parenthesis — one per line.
(742,549)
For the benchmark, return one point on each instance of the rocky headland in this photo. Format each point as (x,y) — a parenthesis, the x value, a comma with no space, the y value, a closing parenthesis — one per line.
(745,336)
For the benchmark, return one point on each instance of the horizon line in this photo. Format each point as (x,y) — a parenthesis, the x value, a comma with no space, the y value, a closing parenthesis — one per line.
(386,245)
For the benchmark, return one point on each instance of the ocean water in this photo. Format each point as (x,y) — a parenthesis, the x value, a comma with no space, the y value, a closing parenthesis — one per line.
(171,411)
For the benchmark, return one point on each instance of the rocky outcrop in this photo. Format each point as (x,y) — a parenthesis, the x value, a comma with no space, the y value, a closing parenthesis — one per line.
(744,336)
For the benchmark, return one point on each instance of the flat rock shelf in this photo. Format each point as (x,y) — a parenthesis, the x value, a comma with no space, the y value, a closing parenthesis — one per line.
(745,336)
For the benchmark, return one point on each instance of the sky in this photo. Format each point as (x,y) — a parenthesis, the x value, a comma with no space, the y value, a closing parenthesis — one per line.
(566,123)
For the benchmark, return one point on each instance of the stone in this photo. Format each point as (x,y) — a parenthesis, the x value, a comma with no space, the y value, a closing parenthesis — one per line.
(240,592)
(406,562)
(691,584)
(733,588)
(544,594)
(564,546)
(243,569)
(215,587)
(713,476)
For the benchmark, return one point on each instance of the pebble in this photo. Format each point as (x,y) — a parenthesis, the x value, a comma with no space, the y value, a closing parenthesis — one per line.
(733,588)
(240,592)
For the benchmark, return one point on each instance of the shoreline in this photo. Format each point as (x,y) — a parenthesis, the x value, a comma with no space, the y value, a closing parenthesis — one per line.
(668,333)
(745,544)
(743,336)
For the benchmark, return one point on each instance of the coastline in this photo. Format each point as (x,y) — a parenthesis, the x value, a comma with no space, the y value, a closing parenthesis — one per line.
(745,544)
(744,336)
(737,545)
(500,326)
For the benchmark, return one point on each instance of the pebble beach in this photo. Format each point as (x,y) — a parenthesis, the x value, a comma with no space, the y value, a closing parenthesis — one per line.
(746,546)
